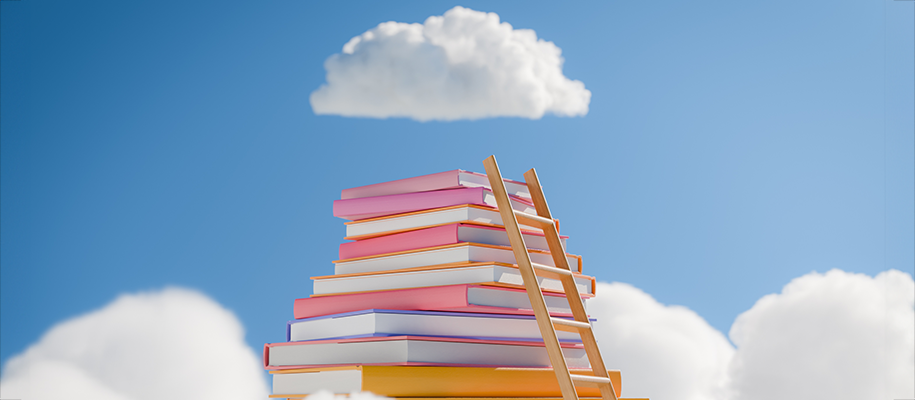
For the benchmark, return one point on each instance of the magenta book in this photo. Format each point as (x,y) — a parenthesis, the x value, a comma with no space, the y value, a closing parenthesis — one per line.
(370,207)
(464,298)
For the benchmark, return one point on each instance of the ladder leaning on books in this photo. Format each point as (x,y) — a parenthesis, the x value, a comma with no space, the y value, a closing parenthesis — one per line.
(529,272)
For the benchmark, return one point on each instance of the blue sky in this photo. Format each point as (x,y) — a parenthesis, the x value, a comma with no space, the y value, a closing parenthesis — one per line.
(729,148)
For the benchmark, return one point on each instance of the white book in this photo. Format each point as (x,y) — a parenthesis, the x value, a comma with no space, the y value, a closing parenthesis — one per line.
(333,380)
(448,254)
(475,273)
(367,323)
(416,350)
(438,216)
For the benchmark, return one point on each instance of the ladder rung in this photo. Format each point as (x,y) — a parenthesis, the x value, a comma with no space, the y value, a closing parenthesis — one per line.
(551,272)
(569,325)
(531,219)
(590,380)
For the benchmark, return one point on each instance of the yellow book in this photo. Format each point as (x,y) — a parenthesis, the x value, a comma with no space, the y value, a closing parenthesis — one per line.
(419,381)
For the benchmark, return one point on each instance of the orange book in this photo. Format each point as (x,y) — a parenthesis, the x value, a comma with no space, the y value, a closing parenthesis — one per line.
(421,381)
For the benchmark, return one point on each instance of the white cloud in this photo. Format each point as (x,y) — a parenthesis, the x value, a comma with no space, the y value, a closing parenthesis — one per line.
(836,336)
(170,344)
(829,336)
(664,352)
(464,64)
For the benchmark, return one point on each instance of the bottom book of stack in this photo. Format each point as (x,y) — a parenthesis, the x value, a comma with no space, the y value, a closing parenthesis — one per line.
(428,381)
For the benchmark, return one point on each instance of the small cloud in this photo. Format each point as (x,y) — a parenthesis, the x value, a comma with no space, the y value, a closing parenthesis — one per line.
(169,344)
(464,64)
(836,335)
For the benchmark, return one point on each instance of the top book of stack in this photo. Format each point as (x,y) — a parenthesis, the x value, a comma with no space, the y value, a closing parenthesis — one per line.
(444,189)
(455,179)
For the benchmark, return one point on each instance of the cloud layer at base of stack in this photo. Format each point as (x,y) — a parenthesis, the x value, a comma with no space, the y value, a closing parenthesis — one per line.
(168,344)
(648,340)
(837,335)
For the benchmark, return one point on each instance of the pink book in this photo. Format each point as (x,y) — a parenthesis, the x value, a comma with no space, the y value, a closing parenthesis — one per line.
(438,236)
(461,298)
(442,180)
(370,207)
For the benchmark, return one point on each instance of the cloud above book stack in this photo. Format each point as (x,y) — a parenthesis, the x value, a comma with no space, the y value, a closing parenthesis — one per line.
(464,64)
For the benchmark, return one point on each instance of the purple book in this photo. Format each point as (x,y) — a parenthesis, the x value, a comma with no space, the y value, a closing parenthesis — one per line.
(380,323)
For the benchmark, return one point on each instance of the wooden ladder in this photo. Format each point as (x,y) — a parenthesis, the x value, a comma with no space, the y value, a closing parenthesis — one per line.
(529,272)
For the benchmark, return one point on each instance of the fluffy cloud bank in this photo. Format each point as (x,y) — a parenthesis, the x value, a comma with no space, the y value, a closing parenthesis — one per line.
(664,352)
(836,335)
(464,64)
(171,344)
(829,336)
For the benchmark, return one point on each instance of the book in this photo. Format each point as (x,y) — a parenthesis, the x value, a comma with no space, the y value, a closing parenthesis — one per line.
(412,381)
(447,254)
(375,322)
(464,213)
(426,183)
(370,207)
(301,396)
(461,298)
(416,350)
(494,274)
(439,236)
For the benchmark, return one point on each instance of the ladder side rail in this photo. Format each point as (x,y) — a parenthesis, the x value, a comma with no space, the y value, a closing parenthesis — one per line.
(570,288)
(543,210)
(550,339)
(557,251)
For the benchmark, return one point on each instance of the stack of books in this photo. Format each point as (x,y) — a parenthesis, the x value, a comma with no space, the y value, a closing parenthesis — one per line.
(426,300)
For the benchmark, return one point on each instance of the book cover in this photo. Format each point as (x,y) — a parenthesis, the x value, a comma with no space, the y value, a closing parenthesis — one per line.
(463,298)
(417,350)
(370,207)
(439,181)
(380,322)
(482,273)
(391,224)
(447,254)
(439,236)
(420,381)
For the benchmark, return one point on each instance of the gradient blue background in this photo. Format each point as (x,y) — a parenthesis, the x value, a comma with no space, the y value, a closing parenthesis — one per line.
(730,147)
